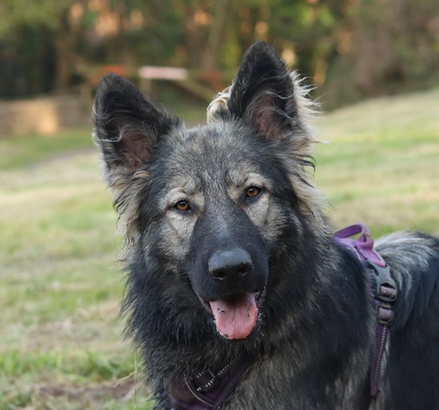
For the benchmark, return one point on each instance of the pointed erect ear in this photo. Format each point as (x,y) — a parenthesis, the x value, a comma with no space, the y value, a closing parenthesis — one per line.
(127,127)
(263,93)
(271,100)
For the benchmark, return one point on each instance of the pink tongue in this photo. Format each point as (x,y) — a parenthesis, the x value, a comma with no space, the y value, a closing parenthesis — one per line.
(235,316)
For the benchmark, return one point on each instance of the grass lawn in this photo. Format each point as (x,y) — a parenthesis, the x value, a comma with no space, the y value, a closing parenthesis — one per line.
(60,290)
(61,344)
(381,165)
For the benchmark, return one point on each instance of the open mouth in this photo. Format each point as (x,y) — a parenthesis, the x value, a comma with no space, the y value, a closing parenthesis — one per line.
(236,315)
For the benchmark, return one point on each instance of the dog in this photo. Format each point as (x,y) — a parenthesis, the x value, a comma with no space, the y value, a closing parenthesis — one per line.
(239,296)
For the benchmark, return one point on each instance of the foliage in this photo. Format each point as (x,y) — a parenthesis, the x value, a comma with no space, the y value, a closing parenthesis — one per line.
(391,47)
(355,48)
(32,14)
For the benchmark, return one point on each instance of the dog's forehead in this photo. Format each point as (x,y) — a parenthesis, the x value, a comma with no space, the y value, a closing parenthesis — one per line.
(223,144)
(214,153)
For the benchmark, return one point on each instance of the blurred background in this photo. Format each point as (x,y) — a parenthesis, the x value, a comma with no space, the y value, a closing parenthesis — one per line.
(351,49)
(375,65)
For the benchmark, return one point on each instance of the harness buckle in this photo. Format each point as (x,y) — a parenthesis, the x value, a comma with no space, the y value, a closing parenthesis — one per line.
(385,292)
(385,285)
(205,381)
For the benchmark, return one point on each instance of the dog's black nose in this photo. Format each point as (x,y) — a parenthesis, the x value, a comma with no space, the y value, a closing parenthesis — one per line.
(230,265)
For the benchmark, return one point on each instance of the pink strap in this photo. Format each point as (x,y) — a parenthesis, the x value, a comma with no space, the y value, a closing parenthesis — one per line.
(362,245)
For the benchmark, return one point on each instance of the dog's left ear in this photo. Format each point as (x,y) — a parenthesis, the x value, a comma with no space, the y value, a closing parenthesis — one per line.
(263,93)
(271,100)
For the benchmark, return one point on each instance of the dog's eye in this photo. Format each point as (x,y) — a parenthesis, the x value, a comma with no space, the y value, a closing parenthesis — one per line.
(182,206)
(253,192)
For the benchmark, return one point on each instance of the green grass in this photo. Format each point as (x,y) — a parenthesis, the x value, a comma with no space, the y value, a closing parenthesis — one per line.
(29,149)
(381,165)
(61,344)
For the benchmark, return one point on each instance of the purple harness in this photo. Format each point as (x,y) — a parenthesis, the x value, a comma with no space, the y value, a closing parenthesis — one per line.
(209,389)
(383,287)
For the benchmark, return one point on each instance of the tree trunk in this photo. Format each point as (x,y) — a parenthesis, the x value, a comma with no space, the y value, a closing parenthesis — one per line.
(211,53)
(65,44)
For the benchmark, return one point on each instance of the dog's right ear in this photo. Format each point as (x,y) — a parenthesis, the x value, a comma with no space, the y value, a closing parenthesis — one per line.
(127,128)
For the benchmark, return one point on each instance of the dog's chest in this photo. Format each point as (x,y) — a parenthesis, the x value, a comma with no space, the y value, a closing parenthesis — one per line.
(276,384)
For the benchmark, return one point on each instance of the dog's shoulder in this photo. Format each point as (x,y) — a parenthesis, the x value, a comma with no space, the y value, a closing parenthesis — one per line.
(414,263)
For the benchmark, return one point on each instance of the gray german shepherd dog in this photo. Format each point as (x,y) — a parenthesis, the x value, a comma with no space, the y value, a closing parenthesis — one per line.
(238,295)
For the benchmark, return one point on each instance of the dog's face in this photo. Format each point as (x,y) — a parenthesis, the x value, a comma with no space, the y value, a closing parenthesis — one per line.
(213,203)
(214,211)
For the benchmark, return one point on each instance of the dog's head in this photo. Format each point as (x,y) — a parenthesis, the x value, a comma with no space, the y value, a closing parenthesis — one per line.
(212,207)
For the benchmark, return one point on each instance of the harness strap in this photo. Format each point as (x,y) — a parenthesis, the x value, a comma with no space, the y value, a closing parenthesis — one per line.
(207,390)
(362,246)
(383,288)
